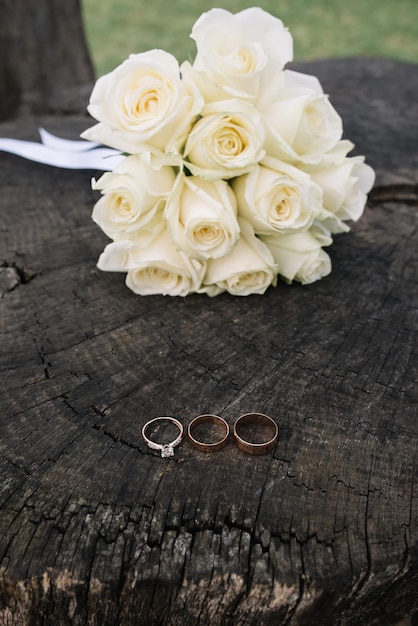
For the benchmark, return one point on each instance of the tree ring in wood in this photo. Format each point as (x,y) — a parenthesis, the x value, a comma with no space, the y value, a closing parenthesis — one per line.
(208,419)
(166,449)
(256,447)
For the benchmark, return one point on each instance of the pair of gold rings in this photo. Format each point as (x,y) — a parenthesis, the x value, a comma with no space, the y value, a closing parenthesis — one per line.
(251,420)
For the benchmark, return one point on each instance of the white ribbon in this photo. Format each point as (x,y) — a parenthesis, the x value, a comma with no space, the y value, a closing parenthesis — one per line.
(75,155)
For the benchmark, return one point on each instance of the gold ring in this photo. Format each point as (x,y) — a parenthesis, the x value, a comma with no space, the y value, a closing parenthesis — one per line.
(166,449)
(256,447)
(205,419)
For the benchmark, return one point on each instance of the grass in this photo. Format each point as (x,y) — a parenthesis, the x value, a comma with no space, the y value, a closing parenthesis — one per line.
(320,28)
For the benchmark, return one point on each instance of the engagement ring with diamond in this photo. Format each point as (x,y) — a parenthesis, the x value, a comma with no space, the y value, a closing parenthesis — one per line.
(166,449)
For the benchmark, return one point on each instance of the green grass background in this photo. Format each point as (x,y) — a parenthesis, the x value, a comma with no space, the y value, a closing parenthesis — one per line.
(320,28)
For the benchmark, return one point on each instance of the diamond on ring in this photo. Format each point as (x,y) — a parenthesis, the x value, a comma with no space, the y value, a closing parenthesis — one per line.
(167,451)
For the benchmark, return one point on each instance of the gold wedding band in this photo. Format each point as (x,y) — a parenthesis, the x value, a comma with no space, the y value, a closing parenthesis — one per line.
(166,449)
(208,419)
(256,447)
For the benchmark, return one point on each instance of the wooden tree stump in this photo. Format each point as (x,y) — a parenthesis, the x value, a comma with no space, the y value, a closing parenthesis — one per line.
(43,55)
(96,528)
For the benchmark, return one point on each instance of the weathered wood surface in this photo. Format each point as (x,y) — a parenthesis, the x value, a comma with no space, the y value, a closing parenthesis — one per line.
(97,529)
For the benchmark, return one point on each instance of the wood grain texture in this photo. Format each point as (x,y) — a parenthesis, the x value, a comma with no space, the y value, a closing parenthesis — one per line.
(96,528)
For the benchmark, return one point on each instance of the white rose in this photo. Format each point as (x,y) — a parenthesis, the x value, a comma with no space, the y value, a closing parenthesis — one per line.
(239,53)
(226,142)
(155,269)
(299,257)
(300,122)
(201,217)
(118,256)
(144,105)
(133,195)
(277,197)
(345,186)
(249,269)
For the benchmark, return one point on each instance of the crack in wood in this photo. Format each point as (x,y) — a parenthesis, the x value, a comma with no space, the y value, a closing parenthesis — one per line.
(402,194)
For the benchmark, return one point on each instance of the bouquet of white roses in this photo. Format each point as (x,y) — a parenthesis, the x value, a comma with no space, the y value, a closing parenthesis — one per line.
(236,172)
